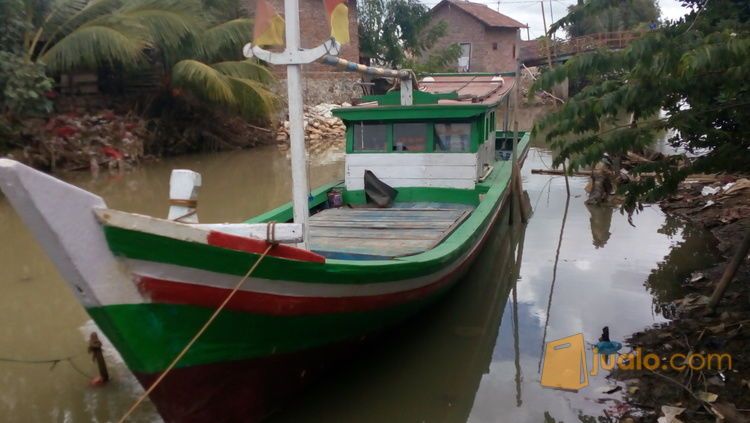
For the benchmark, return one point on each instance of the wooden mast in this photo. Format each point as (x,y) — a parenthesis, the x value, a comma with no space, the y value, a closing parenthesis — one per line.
(293,57)
(300,188)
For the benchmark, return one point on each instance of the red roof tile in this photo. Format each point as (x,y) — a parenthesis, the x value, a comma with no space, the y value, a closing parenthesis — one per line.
(482,13)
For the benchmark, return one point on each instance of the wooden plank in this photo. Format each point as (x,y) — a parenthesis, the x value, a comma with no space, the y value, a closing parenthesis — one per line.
(388,248)
(332,232)
(365,212)
(380,225)
(351,214)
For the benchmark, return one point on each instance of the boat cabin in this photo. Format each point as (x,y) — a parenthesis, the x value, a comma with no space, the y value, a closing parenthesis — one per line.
(447,137)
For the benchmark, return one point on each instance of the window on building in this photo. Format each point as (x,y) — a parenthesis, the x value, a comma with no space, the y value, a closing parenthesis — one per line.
(409,136)
(464,60)
(494,46)
(370,137)
(453,137)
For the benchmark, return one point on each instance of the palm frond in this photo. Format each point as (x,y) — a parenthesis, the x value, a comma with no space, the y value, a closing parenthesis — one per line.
(203,81)
(255,100)
(225,40)
(92,10)
(248,69)
(168,22)
(95,45)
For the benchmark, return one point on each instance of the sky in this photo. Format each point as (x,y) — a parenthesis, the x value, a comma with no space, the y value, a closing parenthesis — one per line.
(529,11)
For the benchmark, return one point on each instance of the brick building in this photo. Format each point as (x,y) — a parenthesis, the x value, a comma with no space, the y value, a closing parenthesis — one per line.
(489,40)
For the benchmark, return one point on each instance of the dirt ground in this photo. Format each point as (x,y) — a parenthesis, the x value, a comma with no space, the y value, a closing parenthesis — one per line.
(722,393)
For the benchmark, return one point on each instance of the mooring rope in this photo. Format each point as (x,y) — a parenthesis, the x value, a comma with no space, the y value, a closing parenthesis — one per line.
(198,334)
(53,362)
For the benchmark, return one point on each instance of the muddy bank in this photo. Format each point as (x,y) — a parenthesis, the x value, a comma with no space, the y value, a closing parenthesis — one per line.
(112,135)
(718,391)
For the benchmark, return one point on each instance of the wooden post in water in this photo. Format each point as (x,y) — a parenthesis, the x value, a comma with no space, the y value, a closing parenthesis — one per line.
(95,349)
(729,272)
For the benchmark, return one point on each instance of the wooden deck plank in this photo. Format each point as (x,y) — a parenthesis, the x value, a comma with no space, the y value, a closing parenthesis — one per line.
(380,225)
(382,233)
(394,248)
(378,233)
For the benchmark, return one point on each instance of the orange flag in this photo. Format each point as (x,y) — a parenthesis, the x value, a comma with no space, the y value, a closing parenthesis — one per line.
(269,25)
(338,17)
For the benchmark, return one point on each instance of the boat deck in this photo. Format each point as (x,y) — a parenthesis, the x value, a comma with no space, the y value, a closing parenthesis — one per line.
(375,233)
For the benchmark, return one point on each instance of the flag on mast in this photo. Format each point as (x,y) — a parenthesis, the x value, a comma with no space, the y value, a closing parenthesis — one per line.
(269,25)
(338,17)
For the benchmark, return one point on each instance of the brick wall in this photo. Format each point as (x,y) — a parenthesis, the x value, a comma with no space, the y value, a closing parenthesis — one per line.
(492,49)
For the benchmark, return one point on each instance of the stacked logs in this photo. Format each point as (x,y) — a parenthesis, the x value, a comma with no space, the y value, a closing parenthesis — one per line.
(323,131)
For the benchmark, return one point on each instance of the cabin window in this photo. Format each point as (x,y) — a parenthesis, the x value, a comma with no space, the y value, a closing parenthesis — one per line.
(409,136)
(453,137)
(370,137)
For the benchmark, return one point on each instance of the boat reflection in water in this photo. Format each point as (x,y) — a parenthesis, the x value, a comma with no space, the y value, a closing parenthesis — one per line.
(430,368)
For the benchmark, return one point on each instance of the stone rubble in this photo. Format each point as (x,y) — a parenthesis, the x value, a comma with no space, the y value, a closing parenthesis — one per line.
(323,131)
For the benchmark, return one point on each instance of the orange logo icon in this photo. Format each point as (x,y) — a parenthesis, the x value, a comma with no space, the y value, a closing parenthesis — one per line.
(565,364)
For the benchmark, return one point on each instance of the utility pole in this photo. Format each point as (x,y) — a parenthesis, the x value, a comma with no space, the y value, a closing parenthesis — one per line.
(548,39)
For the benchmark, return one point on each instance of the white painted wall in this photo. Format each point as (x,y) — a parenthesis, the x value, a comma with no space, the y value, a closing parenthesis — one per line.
(443,170)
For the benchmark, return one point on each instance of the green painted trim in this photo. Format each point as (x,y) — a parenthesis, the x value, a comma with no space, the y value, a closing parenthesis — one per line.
(150,335)
(423,112)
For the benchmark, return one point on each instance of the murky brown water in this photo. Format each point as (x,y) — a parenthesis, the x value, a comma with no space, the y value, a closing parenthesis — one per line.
(474,357)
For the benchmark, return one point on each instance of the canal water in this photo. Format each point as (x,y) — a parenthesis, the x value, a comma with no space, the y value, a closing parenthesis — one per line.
(473,357)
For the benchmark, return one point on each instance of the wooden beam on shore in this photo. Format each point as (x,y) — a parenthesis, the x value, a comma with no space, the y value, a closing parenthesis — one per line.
(559,172)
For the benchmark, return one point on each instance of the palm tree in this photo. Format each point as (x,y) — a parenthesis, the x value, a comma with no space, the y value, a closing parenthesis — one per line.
(198,43)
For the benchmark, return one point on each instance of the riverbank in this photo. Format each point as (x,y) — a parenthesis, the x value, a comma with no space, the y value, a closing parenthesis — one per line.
(719,393)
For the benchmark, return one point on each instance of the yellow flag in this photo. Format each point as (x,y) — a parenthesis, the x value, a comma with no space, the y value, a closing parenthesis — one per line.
(338,17)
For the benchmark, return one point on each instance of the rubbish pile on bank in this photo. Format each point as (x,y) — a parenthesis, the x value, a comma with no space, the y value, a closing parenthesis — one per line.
(77,141)
(323,131)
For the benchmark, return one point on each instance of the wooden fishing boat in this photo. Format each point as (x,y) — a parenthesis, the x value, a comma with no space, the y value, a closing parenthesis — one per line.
(150,283)
(441,167)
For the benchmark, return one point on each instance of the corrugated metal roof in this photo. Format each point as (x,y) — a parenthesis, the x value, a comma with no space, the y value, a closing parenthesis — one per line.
(483,89)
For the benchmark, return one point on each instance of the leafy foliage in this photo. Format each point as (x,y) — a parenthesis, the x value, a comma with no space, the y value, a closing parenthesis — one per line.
(198,44)
(23,86)
(689,79)
(599,16)
(398,33)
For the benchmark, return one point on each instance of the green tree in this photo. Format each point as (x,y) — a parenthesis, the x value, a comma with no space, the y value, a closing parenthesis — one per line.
(399,33)
(23,84)
(197,42)
(597,16)
(690,77)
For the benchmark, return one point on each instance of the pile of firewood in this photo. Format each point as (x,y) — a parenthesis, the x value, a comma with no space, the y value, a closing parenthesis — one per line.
(323,131)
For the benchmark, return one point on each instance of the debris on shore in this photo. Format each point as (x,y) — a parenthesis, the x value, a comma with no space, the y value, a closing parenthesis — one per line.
(720,203)
(107,139)
(323,131)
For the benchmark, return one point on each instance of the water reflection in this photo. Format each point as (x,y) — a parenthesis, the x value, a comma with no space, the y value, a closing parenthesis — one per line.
(431,368)
(601,220)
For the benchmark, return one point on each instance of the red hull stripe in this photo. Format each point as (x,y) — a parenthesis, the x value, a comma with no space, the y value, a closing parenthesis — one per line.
(164,291)
(257,246)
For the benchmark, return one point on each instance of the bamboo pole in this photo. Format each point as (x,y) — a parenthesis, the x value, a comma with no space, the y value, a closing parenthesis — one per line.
(549,39)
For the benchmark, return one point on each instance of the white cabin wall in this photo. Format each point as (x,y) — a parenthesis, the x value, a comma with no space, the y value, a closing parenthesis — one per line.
(443,170)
